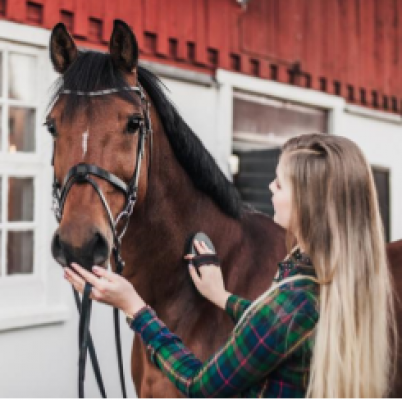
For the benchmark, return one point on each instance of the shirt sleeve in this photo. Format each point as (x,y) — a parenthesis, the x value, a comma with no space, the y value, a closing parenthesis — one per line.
(269,334)
(235,307)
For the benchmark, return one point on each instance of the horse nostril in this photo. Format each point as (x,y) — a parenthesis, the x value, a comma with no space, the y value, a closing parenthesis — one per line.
(100,249)
(57,250)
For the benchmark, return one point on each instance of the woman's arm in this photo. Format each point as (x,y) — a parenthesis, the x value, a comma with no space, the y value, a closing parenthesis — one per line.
(270,334)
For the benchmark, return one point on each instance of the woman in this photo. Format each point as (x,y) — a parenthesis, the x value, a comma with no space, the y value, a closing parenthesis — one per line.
(323,328)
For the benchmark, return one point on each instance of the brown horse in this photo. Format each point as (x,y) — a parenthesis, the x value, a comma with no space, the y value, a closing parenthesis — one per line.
(181,191)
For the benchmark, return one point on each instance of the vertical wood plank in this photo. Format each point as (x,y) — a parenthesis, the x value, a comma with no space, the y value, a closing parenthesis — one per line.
(330,43)
(367,37)
(16,10)
(201,55)
(95,8)
(379,50)
(312,41)
(162,43)
(388,46)
(151,16)
(108,16)
(287,33)
(67,5)
(51,13)
(352,76)
(185,29)
(81,18)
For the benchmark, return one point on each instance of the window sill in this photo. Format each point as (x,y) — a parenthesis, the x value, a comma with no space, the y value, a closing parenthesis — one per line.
(32,316)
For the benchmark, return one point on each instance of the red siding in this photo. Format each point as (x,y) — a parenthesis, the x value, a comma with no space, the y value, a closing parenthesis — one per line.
(348,47)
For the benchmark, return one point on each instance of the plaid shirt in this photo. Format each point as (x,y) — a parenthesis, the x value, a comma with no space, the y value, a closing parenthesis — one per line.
(267,356)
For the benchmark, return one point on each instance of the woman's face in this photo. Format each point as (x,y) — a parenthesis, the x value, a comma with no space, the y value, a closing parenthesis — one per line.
(281,197)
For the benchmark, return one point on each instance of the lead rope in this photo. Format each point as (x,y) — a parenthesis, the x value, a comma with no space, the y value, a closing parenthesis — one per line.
(83,335)
(119,269)
(92,352)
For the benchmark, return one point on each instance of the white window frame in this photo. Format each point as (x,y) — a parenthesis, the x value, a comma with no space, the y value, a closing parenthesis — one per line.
(29,299)
(230,82)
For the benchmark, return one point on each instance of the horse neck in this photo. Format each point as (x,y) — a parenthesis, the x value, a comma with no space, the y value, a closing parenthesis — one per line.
(172,210)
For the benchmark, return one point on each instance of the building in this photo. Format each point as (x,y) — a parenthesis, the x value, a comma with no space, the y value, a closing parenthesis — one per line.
(260,71)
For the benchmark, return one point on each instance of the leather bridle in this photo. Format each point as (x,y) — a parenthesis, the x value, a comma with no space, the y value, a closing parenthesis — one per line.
(81,174)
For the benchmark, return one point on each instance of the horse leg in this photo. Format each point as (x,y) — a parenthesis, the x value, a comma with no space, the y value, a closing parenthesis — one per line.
(149,382)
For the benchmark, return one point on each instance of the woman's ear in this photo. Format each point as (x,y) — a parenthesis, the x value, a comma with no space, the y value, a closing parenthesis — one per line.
(63,51)
(123,47)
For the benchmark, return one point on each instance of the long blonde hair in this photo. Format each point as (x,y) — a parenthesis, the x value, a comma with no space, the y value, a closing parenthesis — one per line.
(336,220)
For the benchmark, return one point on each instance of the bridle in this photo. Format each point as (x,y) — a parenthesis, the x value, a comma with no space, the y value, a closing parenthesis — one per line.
(80,174)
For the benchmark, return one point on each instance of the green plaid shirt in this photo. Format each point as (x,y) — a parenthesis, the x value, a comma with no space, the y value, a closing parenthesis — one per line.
(267,356)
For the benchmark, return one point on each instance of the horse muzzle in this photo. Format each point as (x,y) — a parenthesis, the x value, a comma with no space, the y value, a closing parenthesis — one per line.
(95,251)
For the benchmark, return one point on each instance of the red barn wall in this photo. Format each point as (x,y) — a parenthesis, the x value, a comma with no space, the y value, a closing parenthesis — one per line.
(352,48)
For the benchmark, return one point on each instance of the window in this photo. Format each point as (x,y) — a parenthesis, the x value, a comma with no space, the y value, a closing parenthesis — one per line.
(31,288)
(19,165)
(261,124)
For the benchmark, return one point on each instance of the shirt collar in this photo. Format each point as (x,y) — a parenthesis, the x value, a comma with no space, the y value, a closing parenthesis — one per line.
(298,263)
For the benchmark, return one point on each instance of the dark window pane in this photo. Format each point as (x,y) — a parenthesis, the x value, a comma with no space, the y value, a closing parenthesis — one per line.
(20,199)
(19,253)
(21,123)
(381,179)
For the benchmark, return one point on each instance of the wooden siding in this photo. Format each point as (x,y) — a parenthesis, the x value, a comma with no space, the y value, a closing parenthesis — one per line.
(352,48)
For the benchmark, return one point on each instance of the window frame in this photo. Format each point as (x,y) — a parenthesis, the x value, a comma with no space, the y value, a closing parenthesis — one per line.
(35,298)
(19,164)
(230,82)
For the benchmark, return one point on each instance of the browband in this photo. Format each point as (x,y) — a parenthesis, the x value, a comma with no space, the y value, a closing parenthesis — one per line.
(103,92)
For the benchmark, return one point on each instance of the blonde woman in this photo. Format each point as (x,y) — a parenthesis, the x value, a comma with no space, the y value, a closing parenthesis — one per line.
(324,328)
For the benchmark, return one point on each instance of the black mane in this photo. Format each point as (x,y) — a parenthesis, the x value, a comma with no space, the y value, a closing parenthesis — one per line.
(94,71)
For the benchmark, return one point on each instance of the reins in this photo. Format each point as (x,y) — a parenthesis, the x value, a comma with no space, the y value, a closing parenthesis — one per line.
(82,174)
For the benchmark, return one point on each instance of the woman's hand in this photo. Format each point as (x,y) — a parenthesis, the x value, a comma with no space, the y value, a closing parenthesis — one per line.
(108,287)
(210,282)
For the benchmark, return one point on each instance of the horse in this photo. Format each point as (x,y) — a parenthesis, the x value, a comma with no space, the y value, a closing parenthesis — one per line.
(181,190)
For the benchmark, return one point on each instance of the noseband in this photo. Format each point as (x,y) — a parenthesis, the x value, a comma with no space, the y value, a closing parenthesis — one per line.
(80,174)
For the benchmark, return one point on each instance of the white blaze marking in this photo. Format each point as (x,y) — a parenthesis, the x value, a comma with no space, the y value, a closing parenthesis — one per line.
(85,136)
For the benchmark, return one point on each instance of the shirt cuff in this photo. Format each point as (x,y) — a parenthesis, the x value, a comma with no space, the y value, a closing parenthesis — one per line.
(147,324)
(235,307)
(153,332)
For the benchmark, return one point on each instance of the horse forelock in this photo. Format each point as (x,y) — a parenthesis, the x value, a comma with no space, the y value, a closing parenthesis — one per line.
(93,71)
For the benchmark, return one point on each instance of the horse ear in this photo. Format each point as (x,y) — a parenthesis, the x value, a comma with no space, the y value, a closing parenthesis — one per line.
(63,51)
(123,46)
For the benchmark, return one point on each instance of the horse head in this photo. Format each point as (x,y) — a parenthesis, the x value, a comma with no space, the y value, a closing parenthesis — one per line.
(98,116)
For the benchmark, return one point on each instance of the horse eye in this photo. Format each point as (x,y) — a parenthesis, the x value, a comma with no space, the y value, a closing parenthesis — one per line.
(51,127)
(133,124)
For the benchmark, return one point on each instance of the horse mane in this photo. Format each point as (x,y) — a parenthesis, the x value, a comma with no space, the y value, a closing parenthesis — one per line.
(95,71)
